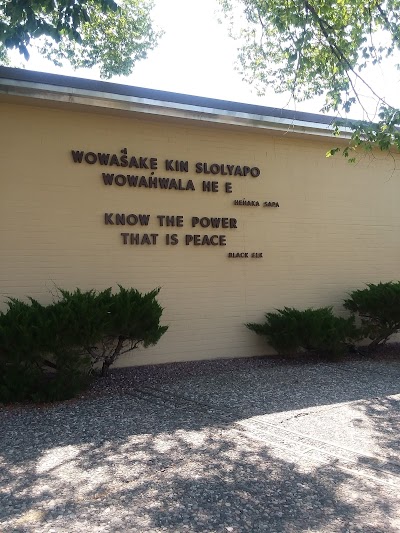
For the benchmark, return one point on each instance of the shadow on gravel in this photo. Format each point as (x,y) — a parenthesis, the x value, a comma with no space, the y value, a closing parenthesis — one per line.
(383,414)
(134,463)
(157,469)
(257,386)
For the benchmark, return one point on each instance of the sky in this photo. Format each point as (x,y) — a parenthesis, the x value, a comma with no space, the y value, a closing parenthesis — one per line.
(196,56)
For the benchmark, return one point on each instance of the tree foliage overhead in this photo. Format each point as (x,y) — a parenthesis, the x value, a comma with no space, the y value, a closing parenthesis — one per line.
(83,32)
(320,47)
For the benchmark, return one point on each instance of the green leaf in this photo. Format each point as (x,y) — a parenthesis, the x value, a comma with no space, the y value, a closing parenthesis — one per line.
(83,33)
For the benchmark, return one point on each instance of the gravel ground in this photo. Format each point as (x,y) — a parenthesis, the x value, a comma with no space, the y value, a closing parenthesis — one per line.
(249,445)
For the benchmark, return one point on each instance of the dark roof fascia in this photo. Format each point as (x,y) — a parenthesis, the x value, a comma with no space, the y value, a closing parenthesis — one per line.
(43,78)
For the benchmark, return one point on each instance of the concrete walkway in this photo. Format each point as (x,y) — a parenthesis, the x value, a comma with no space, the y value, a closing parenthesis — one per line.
(242,446)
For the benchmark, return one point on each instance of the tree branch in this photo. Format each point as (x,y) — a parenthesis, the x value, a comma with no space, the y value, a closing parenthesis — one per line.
(340,55)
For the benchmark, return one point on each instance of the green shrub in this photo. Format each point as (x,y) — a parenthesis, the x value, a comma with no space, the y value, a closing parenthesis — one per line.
(378,307)
(119,322)
(290,330)
(33,367)
(48,352)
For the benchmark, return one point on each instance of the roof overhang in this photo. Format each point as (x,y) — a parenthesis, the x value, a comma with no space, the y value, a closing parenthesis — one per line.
(65,90)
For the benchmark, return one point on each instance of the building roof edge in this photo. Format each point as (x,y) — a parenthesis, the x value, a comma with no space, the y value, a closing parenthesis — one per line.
(149,100)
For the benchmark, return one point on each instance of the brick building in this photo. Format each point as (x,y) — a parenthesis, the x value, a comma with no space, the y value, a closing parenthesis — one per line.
(232,209)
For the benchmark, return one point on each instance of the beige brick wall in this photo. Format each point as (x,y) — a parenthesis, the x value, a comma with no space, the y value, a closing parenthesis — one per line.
(337,226)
